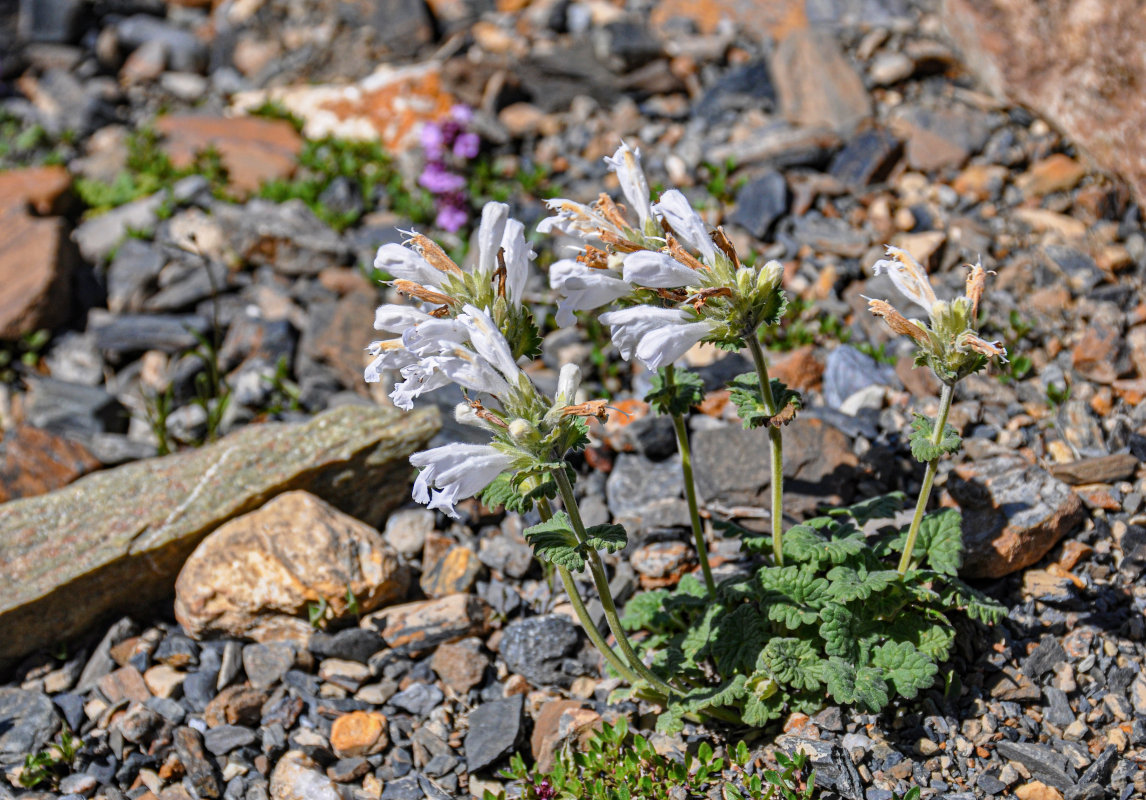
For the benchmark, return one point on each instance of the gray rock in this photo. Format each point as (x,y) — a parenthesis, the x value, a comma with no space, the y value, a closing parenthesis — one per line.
(1080,270)
(1098,773)
(72,408)
(49,20)
(352,644)
(132,275)
(848,371)
(265,664)
(74,358)
(627,43)
(1058,711)
(816,84)
(168,709)
(748,86)
(185,53)
(200,771)
(222,739)
(494,731)
(98,236)
(402,26)
(1044,658)
(287,237)
(1044,763)
(760,203)
(832,763)
(418,698)
(78,784)
(830,235)
(28,721)
(509,555)
(635,482)
(406,530)
(100,663)
(541,649)
(866,158)
(118,538)
(135,333)
(942,137)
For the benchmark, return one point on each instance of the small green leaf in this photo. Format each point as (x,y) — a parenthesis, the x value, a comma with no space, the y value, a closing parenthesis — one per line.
(978,606)
(847,584)
(882,507)
(863,687)
(793,662)
(793,595)
(744,392)
(841,631)
(922,429)
(738,639)
(905,667)
(607,537)
(678,397)
(725,694)
(939,541)
(554,541)
(932,637)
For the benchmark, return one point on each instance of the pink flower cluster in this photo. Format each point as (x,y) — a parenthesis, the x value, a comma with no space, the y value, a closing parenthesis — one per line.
(447,144)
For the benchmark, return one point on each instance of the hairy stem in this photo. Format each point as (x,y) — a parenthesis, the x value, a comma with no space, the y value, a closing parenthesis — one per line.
(597,568)
(775,445)
(928,478)
(583,613)
(682,445)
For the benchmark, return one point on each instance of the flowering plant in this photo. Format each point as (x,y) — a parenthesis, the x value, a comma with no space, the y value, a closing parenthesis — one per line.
(822,614)
(447,145)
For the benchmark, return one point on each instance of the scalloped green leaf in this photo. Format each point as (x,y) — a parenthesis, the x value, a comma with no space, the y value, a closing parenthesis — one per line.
(905,667)
(863,687)
(744,392)
(678,397)
(847,584)
(804,544)
(939,541)
(645,610)
(923,449)
(725,694)
(792,662)
(739,637)
(792,595)
(931,636)
(977,605)
(841,631)
(555,541)
(607,537)
(884,506)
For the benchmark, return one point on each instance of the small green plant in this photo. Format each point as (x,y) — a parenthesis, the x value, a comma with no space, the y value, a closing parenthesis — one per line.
(1057,395)
(316,613)
(495,180)
(48,766)
(274,109)
(721,185)
(285,393)
(24,145)
(26,351)
(157,406)
(619,765)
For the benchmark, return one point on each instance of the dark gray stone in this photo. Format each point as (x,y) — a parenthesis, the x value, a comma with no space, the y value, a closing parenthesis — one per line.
(266,664)
(636,481)
(760,203)
(653,436)
(866,158)
(222,739)
(199,689)
(72,408)
(494,731)
(418,698)
(830,235)
(402,26)
(100,663)
(539,648)
(1081,271)
(848,370)
(50,20)
(352,644)
(135,333)
(1044,763)
(132,274)
(1058,711)
(627,43)
(177,650)
(1044,658)
(28,721)
(71,705)
(287,237)
(168,709)
(745,87)
(185,53)
(348,769)
(1098,773)
(989,784)
(198,767)
(508,555)
(405,788)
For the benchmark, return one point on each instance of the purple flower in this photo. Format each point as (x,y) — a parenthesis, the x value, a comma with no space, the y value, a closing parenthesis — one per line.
(467,145)
(439,180)
(433,140)
(462,114)
(451,218)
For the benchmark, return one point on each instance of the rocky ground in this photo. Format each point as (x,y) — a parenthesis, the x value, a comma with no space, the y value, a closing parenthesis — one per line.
(186,280)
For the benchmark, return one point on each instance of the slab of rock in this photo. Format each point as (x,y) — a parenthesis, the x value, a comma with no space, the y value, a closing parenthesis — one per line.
(816,84)
(245,577)
(285,236)
(1013,513)
(543,649)
(297,777)
(118,538)
(388,105)
(28,721)
(494,730)
(1101,469)
(36,262)
(34,461)
(421,626)
(1077,64)
(41,188)
(253,149)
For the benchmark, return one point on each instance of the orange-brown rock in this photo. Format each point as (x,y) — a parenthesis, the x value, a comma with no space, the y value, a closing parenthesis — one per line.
(359,733)
(560,722)
(252,149)
(36,261)
(388,106)
(799,369)
(41,188)
(450,570)
(817,87)
(460,665)
(266,567)
(34,461)
(235,705)
(1055,173)
(1077,63)
(421,626)
(337,336)
(1096,355)
(771,18)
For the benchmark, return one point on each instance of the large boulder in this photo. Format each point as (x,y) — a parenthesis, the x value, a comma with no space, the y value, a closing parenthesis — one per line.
(255,576)
(115,540)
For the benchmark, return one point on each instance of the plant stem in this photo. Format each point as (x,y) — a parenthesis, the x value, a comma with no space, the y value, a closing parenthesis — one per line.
(775,445)
(597,568)
(583,613)
(928,477)
(682,445)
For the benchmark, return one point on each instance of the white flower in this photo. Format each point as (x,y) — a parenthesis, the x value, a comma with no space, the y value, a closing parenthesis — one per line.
(388,355)
(404,264)
(675,210)
(583,288)
(455,471)
(396,319)
(626,162)
(576,219)
(489,342)
(490,233)
(658,271)
(568,382)
(655,336)
(518,255)
(908,276)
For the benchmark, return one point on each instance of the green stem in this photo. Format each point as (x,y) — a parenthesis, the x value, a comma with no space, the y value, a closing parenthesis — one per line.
(583,613)
(928,478)
(775,445)
(682,446)
(597,568)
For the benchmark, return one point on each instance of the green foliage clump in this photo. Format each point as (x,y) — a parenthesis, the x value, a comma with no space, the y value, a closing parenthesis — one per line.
(24,145)
(26,351)
(619,765)
(836,621)
(48,766)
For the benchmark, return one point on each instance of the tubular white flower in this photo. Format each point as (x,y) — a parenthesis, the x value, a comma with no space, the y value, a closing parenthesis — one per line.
(397,319)
(419,378)
(455,471)
(658,270)
(568,382)
(490,233)
(689,228)
(626,162)
(908,276)
(388,355)
(518,254)
(576,219)
(433,337)
(404,264)
(583,288)
(770,276)
(663,346)
(489,342)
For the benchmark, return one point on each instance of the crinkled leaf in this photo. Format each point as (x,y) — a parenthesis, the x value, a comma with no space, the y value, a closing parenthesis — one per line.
(739,637)
(847,584)
(554,541)
(863,687)
(752,541)
(698,638)
(672,719)
(793,595)
(744,392)
(922,429)
(645,610)
(841,631)
(726,694)
(803,544)
(905,667)
(931,635)
(678,397)
(884,506)
(792,662)
(956,594)
(607,537)
(886,604)
(939,541)
(510,490)
(759,711)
